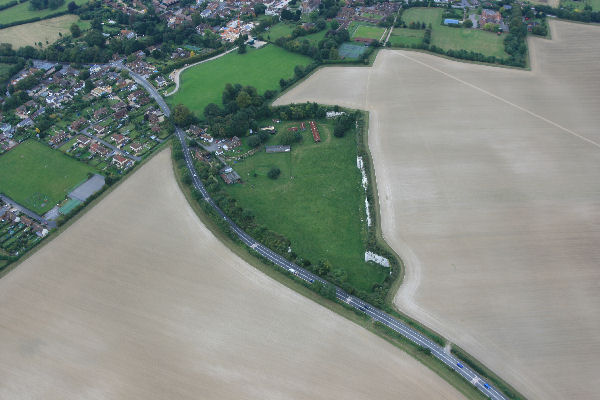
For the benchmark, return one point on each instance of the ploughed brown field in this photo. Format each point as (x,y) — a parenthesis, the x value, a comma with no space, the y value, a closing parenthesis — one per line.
(489,187)
(138,300)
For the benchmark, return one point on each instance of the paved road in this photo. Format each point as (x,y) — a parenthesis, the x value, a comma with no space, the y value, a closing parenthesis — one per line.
(110,146)
(376,314)
(28,212)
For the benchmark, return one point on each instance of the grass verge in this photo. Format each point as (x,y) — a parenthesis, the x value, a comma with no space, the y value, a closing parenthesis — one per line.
(294,283)
(486,373)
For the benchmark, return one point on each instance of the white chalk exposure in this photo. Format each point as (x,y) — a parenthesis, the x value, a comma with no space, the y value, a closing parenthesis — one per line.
(377,259)
(365,182)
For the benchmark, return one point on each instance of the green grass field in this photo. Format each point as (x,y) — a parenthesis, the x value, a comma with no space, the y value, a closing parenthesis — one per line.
(262,68)
(404,37)
(431,16)
(487,43)
(579,5)
(22,12)
(367,31)
(446,37)
(279,30)
(38,177)
(317,201)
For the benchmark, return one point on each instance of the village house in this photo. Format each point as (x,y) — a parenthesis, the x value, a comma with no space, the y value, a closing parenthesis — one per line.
(22,112)
(99,130)
(119,139)
(100,113)
(57,139)
(118,106)
(83,141)
(97,148)
(122,113)
(490,17)
(101,90)
(136,147)
(229,176)
(121,162)
(78,124)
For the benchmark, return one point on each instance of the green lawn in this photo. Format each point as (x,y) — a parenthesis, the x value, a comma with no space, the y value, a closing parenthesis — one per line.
(446,37)
(487,43)
(404,37)
(262,68)
(368,31)
(22,12)
(579,5)
(279,30)
(431,16)
(39,177)
(317,201)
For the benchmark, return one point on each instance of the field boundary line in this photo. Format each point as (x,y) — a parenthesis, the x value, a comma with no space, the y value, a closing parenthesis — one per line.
(178,72)
(502,99)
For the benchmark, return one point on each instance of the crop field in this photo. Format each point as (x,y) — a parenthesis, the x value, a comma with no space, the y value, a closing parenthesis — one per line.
(40,31)
(492,200)
(138,300)
(317,201)
(38,177)
(366,31)
(22,12)
(262,68)
(446,37)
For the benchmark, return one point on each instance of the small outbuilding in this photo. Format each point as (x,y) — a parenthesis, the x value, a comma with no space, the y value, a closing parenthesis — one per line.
(230,176)
(277,149)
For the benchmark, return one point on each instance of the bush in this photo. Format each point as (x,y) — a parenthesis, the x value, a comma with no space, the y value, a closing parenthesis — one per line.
(289,137)
(274,173)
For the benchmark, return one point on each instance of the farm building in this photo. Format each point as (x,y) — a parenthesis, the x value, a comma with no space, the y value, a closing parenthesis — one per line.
(229,175)
(277,149)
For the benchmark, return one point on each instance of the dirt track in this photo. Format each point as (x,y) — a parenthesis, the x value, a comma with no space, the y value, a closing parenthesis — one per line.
(488,183)
(137,300)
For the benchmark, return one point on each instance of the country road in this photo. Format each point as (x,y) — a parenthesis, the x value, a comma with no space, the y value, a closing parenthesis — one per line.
(358,304)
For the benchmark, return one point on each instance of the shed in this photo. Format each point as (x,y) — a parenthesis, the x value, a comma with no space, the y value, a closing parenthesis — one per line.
(277,149)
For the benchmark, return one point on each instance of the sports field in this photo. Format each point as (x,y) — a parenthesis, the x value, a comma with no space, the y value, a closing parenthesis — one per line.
(39,177)
(262,68)
(22,12)
(492,200)
(351,50)
(40,31)
(367,31)
(138,300)
(404,37)
(317,201)
(445,37)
